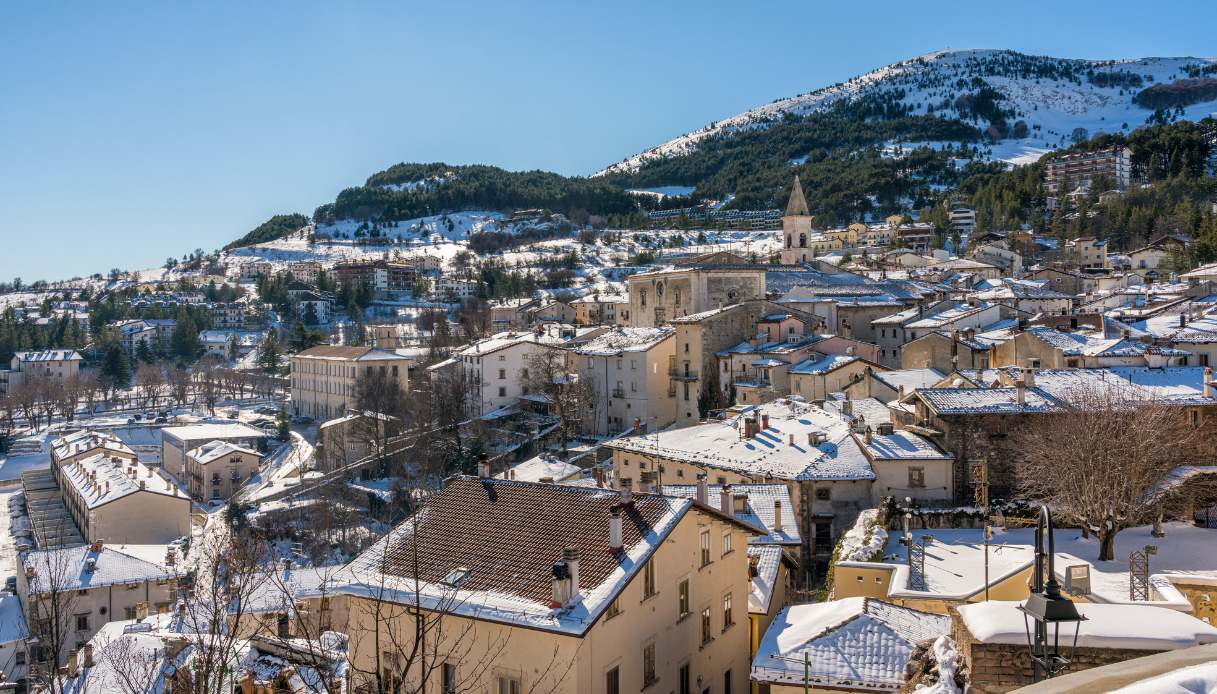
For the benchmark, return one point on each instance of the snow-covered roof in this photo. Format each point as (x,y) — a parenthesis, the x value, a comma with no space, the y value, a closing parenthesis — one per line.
(1174,385)
(957,401)
(214,450)
(504,340)
(1095,345)
(759,511)
(784,450)
(903,445)
(540,467)
(212,431)
(768,561)
(80,568)
(47,355)
(12,619)
(947,316)
(823,364)
(620,340)
(855,643)
(1138,627)
(911,379)
(99,480)
(86,440)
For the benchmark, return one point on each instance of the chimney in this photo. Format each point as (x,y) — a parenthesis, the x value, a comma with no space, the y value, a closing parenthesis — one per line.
(850,351)
(777,515)
(900,392)
(87,651)
(868,436)
(616,542)
(627,497)
(792,440)
(725,500)
(1208,379)
(1020,391)
(570,555)
(764,421)
(969,333)
(96,546)
(483,467)
(1183,320)
(1028,377)
(143,484)
(703,489)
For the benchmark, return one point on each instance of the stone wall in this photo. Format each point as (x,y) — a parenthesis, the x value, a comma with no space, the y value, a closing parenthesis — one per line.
(995,668)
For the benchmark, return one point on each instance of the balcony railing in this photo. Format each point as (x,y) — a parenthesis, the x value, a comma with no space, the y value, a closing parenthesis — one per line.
(682,375)
(618,393)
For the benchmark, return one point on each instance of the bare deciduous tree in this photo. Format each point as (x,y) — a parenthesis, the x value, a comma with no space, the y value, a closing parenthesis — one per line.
(569,397)
(1099,462)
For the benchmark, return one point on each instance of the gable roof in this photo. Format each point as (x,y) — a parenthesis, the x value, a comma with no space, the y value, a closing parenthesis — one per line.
(505,537)
(68,568)
(855,643)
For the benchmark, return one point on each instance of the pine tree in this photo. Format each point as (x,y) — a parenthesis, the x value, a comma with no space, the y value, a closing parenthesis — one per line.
(144,353)
(268,353)
(234,348)
(116,368)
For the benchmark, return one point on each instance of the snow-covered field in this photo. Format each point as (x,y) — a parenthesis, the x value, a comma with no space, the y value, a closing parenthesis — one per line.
(1051,108)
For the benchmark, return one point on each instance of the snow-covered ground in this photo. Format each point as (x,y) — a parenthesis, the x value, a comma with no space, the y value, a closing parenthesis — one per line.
(1051,108)
(662,192)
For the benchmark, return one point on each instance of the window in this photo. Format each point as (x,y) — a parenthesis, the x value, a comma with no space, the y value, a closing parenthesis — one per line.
(727,682)
(633,365)
(728,617)
(613,610)
(509,685)
(823,494)
(502,392)
(648,579)
(612,681)
(19,658)
(449,678)
(916,477)
(82,622)
(683,602)
(705,626)
(683,686)
(648,665)
(705,547)
(727,542)
(502,374)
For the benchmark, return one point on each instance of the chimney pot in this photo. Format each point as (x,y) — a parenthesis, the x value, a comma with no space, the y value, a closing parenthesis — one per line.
(570,556)
(627,497)
(616,541)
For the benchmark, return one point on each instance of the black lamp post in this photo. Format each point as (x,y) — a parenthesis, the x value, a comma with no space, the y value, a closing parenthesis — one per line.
(1048,608)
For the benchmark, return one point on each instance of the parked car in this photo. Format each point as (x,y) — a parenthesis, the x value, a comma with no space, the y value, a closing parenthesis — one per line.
(161,420)
(10,584)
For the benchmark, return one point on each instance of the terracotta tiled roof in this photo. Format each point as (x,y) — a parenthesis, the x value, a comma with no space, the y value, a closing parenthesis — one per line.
(509,534)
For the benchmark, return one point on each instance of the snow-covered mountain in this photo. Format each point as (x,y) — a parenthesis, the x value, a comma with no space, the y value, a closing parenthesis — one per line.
(1053,96)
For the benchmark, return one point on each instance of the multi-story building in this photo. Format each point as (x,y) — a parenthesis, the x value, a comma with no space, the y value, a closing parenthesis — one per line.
(176,442)
(133,332)
(631,371)
(324,379)
(47,364)
(307,271)
(496,368)
(598,309)
(1065,172)
(455,288)
(252,271)
(1088,253)
(612,592)
(123,501)
(898,329)
(216,470)
(701,284)
(227,315)
(69,593)
(381,275)
(511,314)
(962,218)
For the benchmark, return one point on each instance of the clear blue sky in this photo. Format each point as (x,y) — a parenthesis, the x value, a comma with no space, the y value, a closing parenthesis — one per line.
(131,132)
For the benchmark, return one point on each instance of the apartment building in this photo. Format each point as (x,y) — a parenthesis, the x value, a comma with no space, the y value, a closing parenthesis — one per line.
(898,329)
(1081,168)
(307,271)
(631,370)
(123,501)
(623,591)
(176,442)
(496,368)
(227,315)
(512,314)
(47,364)
(961,218)
(1087,253)
(324,378)
(69,593)
(598,309)
(455,288)
(381,275)
(822,375)
(216,470)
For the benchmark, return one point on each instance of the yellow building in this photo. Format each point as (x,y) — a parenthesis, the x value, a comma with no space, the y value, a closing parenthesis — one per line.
(325,378)
(532,587)
(216,470)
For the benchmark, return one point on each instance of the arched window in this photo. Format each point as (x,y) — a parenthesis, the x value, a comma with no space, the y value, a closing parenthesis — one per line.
(802,240)
(788,240)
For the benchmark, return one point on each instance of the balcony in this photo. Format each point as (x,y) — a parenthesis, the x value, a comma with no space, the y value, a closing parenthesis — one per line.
(682,375)
(618,392)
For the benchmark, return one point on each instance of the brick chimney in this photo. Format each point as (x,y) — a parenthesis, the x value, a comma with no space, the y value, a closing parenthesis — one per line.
(616,541)
(483,467)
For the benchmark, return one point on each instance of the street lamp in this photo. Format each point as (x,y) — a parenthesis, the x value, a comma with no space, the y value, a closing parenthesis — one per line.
(1048,608)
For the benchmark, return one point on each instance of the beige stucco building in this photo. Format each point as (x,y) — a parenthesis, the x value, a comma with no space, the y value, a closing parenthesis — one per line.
(631,371)
(176,442)
(47,364)
(325,378)
(124,501)
(216,470)
(699,284)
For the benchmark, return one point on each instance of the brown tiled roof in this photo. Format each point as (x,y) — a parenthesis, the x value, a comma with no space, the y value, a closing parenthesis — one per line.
(509,534)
